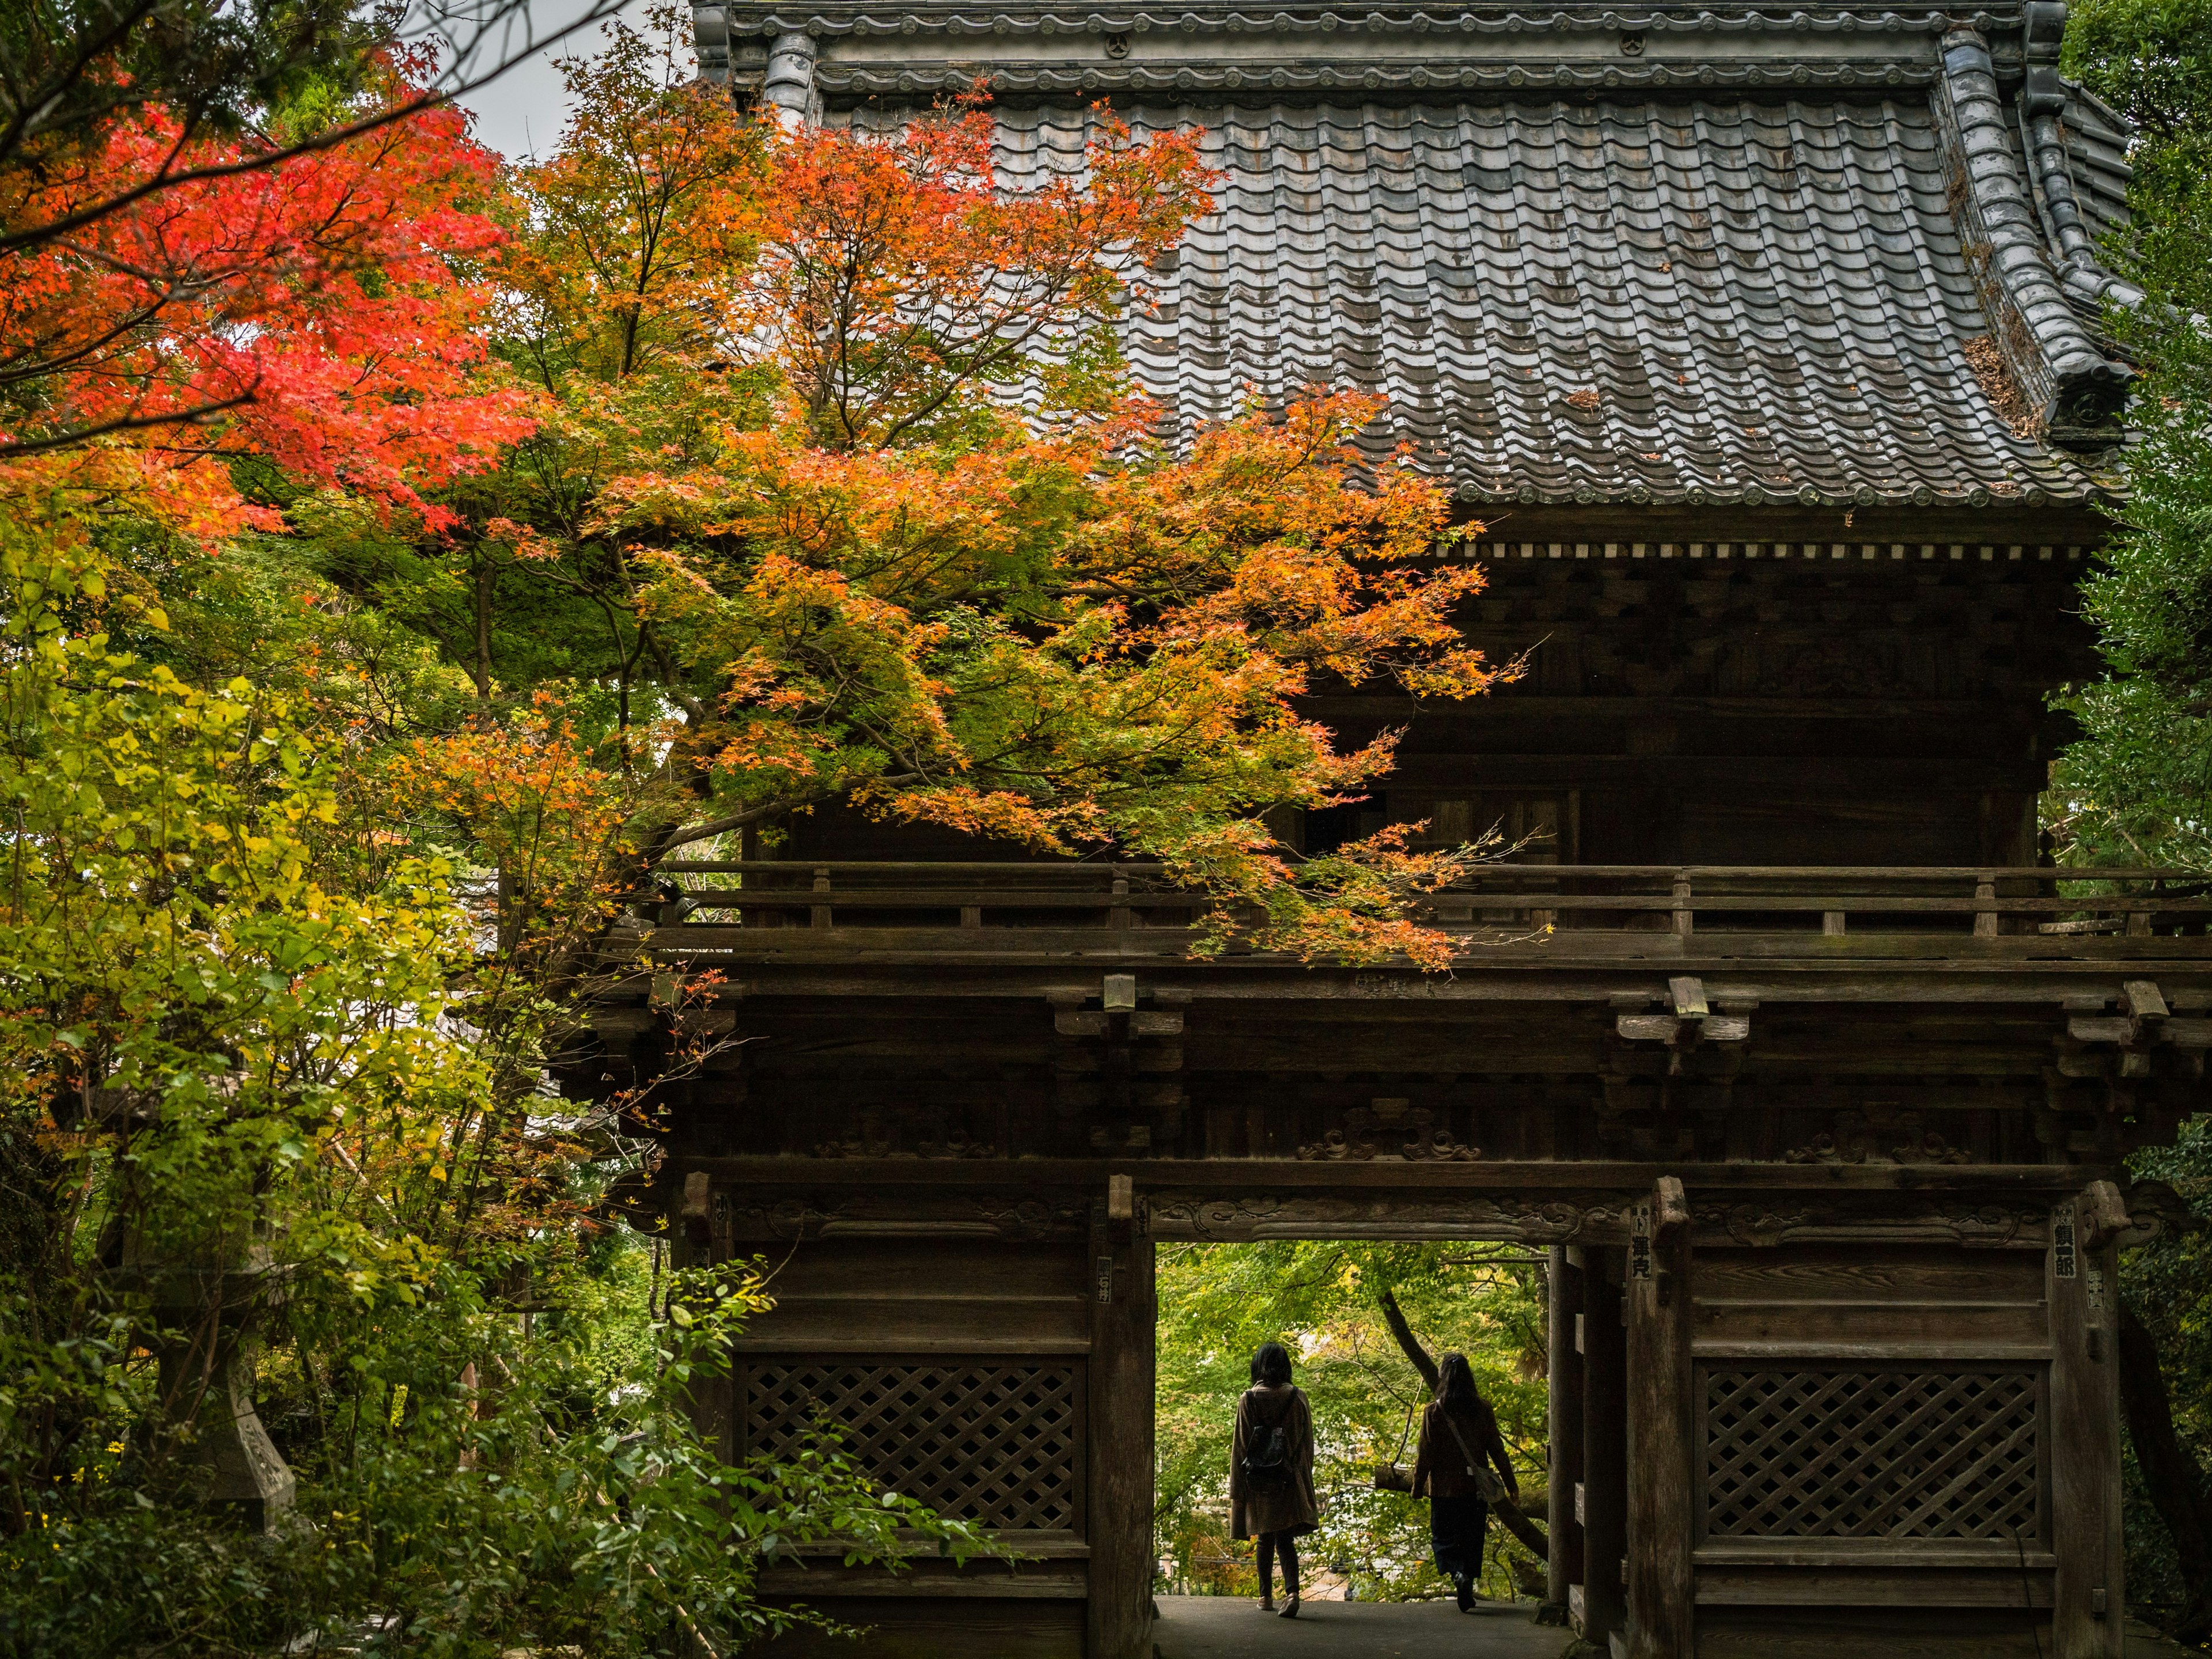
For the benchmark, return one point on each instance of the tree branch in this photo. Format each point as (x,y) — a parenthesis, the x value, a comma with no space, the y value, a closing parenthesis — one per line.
(164,179)
(132,423)
(1395,1317)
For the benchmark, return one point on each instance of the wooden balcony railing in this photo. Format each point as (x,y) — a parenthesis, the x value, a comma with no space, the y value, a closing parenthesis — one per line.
(1683,899)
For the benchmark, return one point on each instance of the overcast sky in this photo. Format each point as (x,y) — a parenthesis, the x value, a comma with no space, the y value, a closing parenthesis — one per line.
(522,112)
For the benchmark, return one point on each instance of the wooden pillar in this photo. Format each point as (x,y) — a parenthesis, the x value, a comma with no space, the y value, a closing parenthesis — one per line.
(1118,1621)
(1603,1500)
(2087,1598)
(699,1237)
(1661,1585)
(1564,1568)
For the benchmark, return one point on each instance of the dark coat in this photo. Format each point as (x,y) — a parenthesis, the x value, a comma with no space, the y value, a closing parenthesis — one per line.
(1440,1467)
(1288,1506)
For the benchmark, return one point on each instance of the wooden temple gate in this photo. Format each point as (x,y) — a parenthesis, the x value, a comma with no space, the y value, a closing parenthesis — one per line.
(1762,343)
(1832,1218)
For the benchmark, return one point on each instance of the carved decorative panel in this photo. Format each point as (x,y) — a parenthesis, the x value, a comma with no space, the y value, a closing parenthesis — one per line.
(1872,1453)
(997,1443)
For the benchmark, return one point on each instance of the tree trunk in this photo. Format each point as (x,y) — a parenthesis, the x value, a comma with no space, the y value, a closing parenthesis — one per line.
(1395,1317)
(482,672)
(2177,1486)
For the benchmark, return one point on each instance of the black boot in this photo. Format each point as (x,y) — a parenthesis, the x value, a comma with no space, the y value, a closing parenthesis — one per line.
(1465,1585)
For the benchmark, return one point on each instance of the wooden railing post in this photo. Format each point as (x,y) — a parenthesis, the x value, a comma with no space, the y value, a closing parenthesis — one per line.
(821,912)
(1118,915)
(1985,921)
(2139,920)
(1832,924)
(1662,1588)
(1685,918)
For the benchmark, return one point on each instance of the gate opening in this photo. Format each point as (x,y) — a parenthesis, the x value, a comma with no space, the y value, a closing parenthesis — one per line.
(1361,1320)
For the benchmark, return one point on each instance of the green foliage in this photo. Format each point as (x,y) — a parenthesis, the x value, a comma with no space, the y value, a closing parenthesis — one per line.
(2150,59)
(258,1089)
(2168,1282)
(564,1499)
(2135,789)
(1219,1302)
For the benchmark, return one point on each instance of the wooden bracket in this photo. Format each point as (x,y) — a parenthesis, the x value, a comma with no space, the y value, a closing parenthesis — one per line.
(2143,1000)
(1120,1198)
(697,1208)
(2102,1213)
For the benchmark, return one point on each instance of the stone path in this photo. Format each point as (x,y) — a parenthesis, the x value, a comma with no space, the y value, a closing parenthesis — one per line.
(1231,1628)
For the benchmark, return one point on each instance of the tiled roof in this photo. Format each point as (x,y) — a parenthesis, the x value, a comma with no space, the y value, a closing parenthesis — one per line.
(1688,296)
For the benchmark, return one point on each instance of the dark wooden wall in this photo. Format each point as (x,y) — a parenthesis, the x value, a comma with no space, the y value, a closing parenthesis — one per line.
(1848,710)
(1009,1386)
(1895,1449)
(1735,711)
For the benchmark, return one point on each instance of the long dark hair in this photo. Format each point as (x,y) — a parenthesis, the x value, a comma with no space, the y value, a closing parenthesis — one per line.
(1272,1364)
(1455,1389)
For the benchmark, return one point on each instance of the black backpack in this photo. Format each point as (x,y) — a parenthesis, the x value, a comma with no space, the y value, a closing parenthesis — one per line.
(1267,1453)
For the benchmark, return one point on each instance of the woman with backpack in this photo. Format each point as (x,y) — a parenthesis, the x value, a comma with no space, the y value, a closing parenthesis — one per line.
(1460,1444)
(1271,1490)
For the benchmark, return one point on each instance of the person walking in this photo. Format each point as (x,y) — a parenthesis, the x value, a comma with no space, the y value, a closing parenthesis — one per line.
(1271,1490)
(1454,1470)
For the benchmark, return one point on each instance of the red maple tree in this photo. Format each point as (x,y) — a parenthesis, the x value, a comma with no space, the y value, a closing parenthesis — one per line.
(321,312)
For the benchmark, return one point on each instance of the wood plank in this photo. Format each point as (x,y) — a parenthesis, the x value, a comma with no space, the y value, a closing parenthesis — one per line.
(1102,948)
(894,1324)
(1861,1552)
(1746,1277)
(974,1269)
(931,1627)
(1836,1587)
(1118,1613)
(1157,1176)
(1830,1324)
(1801,1348)
(1661,1607)
(1870,1633)
(1061,1580)
(904,1343)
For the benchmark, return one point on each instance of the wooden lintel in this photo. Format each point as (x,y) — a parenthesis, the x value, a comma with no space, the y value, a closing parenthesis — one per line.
(1547,974)
(1152,1177)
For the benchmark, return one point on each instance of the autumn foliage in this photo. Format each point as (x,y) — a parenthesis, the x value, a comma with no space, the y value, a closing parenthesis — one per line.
(316,313)
(405,554)
(841,446)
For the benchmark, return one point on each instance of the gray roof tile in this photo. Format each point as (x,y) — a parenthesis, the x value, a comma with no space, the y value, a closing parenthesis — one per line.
(1637,295)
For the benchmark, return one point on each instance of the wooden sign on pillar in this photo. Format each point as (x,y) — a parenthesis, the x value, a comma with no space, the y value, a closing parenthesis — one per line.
(1661,1587)
(1564,1569)
(2088,1614)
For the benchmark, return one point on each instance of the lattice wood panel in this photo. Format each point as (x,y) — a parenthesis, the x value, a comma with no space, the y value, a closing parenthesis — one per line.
(999,1444)
(1872,1453)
